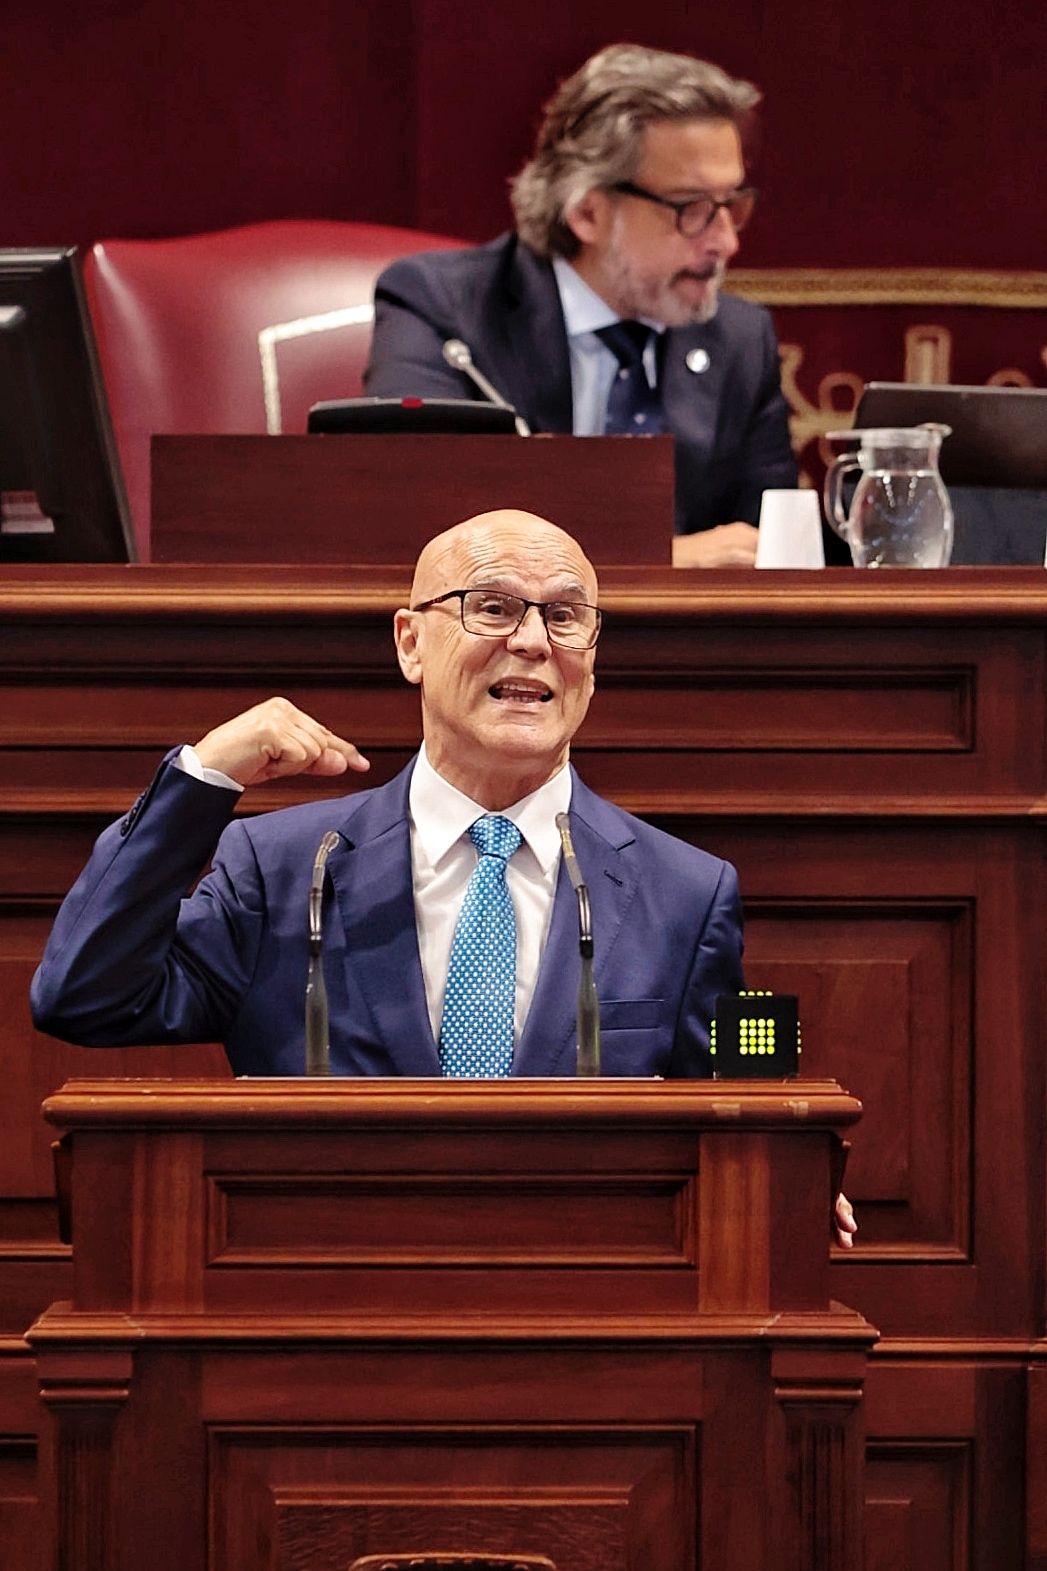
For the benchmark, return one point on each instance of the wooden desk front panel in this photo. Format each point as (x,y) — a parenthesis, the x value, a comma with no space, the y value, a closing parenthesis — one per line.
(596,1459)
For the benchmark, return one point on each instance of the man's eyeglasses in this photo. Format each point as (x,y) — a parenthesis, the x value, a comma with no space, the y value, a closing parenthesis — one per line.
(490,614)
(695,215)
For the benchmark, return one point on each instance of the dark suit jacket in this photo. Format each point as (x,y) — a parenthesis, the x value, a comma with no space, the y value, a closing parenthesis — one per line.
(126,964)
(730,421)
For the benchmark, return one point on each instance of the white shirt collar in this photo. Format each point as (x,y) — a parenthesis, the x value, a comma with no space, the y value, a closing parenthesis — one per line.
(441,814)
(583,309)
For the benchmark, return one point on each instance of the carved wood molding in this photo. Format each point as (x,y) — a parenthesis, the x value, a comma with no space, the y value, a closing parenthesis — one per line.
(872,286)
(838,1327)
(96,809)
(821,1432)
(85,1392)
(155,599)
(436,1560)
(290,1104)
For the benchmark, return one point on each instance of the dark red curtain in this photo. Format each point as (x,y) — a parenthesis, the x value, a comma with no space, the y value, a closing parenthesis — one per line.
(891,134)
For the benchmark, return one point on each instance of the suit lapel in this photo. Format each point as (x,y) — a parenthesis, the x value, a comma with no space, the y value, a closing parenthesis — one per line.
(693,400)
(600,835)
(371,877)
(534,362)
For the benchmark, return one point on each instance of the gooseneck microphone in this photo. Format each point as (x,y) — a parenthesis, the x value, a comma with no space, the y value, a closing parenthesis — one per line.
(588,1003)
(460,356)
(317,1021)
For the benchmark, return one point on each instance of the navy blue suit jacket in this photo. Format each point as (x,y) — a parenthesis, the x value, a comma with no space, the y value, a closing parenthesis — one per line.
(132,961)
(730,421)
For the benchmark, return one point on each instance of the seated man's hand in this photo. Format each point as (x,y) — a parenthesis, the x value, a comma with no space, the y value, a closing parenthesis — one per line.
(728,545)
(274,739)
(844,1223)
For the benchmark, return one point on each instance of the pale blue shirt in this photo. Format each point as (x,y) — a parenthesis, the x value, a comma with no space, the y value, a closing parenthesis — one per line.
(593,366)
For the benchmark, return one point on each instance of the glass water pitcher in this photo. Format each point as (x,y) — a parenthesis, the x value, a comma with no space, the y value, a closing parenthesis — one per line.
(900,514)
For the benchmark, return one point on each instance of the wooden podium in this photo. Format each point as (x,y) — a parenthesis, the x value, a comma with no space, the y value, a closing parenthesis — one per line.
(316,1321)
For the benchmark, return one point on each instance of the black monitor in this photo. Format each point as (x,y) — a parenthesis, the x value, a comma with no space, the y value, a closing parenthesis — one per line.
(993,462)
(410,416)
(998,435)
(61,490)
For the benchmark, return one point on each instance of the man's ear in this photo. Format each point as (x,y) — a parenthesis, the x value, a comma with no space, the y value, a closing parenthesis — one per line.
(405,634)
(588,218)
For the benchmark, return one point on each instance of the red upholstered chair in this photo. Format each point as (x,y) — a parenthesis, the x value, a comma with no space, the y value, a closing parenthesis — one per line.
(239,330)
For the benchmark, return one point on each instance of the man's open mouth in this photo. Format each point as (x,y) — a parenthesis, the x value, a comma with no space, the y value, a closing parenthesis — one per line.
(697,275)
(511,691)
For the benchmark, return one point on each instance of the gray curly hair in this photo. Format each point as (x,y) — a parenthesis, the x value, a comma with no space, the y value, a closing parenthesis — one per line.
(593,127)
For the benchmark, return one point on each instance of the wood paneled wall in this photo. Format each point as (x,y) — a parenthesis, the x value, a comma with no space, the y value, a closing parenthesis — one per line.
(868,750)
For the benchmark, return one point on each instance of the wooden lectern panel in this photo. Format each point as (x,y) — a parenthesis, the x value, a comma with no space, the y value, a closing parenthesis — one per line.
(382,1372)
(358,499)
(584,1498)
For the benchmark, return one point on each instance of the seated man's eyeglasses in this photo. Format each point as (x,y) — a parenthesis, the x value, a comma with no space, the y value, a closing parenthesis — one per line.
(491,614)
(695,215)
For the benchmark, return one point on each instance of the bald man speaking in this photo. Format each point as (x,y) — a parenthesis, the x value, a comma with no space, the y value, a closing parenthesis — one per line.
(447,891)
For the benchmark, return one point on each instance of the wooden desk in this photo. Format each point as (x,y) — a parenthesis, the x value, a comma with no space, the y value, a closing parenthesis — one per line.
(868,749)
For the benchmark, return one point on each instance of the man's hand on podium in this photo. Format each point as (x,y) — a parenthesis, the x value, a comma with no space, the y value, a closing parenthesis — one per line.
(274,739)
(843,1219)
(727,545)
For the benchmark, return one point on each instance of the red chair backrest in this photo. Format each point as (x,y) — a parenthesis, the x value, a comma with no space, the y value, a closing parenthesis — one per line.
(238,330)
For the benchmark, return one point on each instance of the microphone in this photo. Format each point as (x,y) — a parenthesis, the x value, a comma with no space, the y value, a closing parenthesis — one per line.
(317,1020)
(588,1003)
(460,356)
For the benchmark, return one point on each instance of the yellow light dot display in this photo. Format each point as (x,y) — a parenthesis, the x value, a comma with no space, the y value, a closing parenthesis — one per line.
(759,1036)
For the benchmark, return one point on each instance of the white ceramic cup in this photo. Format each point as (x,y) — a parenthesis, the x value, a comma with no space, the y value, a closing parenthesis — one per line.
(790,530)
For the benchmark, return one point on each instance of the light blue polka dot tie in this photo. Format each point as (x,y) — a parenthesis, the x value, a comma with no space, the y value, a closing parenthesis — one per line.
(476,1032)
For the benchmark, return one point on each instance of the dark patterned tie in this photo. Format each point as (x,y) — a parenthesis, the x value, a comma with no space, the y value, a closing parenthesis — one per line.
(633,407)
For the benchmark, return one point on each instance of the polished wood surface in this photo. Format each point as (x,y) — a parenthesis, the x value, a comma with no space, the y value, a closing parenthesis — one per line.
(378,499)
(869,750)
(506,1317)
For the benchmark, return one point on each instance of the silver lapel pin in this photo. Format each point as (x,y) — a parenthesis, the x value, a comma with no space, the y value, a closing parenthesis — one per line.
(697,361)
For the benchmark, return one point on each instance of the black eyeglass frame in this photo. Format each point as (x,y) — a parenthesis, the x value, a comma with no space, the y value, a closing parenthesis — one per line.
(745,193)
(543,608)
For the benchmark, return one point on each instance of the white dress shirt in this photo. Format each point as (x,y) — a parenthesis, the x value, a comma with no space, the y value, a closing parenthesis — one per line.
(188,760)
(593,366)
(443,858)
